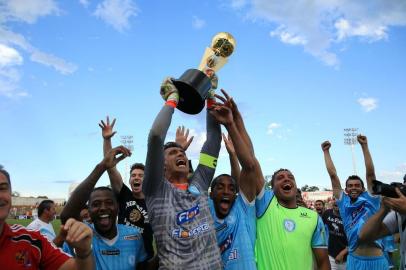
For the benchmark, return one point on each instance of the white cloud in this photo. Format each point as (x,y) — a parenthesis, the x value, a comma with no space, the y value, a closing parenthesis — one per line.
(13,44)
(195,147)
(198,23)
(368,104)
(84,3)
(393,176)
(50,60)
(319,24)
(288,38)
(28,11)
(117,13)
(272,127)
(9,56)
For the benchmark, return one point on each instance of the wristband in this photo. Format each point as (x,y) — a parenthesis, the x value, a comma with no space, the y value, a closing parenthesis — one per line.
(210,102)
(171,103)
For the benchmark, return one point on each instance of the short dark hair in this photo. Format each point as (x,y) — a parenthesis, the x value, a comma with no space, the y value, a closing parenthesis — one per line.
(275,173)
(354,177)
(44,205)
(172,144)
(103,188)
(215,181)
(139,166)
(5,173)
(322,202)
(404,179)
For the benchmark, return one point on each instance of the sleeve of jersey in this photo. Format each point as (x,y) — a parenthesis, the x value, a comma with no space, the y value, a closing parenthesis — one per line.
(391,222)
(154,164)
(51,256)
(375,200)
(319,239)
(209,153)
(262,201)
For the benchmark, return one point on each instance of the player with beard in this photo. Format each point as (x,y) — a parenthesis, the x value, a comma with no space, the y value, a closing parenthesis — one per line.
(178,205)
(26,249)
(288,236)
(234,215)
(116,246)
(356,206)
(132,209)
(319,207)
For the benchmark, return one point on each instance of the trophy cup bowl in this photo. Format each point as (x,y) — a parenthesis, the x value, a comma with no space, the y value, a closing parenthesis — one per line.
(193,87)
(194,84)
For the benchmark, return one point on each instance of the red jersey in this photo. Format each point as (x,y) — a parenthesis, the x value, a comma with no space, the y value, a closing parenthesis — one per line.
(24,249)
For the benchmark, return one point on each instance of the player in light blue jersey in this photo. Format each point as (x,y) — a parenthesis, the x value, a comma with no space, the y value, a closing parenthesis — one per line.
(234,215)
(356,206)
(117,247)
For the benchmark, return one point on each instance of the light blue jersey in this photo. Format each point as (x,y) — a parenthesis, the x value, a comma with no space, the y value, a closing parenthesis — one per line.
(236,234)
(124,253)
(354,215)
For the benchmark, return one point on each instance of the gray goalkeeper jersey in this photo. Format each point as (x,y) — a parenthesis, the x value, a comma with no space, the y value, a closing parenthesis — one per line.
(181,219)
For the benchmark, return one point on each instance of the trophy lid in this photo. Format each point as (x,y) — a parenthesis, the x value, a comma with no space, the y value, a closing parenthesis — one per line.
(193,87)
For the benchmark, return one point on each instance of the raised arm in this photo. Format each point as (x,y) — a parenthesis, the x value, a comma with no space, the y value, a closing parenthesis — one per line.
(224,116)
(234,164)
(369,165)
(331,169)
(154,164)
(81,194)
(116,180)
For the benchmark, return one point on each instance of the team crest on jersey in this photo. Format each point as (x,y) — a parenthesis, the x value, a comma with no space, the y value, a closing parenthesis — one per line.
(187,215)
(135,215)
(289,225)
(22,257)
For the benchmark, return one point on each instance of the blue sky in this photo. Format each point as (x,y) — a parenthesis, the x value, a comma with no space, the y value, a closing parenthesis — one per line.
(302,71)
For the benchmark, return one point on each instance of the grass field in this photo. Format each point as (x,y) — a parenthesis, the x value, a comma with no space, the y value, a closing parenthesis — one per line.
(56,223)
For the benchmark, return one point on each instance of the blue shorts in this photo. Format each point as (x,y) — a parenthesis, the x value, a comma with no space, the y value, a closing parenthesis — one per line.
(355,262)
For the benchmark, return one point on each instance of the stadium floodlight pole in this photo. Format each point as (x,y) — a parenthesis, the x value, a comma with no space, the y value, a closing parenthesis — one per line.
(128,142)
(350,138)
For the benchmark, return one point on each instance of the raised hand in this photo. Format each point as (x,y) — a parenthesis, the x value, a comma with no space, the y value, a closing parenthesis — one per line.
(107,128)
(229,144)
(79,236)
(362,139)
(114,156)
(326,146)
(182,137)
(222,114)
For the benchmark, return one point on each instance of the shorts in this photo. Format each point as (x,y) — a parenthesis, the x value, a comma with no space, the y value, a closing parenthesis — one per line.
(356,262)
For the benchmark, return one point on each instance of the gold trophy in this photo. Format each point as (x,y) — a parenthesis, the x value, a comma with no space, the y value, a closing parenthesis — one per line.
(194,84)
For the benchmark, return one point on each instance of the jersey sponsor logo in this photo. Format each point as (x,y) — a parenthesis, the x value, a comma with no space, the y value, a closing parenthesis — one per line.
(304,215)
(132,237)
(233,255)
(181,233)
(113,252)
(357,215)
(289,225)
(187,215)
(226,243)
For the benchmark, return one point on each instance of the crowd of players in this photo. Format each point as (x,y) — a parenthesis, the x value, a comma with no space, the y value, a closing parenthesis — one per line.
(174,217)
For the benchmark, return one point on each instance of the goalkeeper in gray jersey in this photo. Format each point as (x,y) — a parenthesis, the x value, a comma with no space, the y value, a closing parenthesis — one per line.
(178,206)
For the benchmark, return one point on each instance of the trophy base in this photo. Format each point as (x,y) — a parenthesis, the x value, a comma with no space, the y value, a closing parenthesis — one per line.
(193,87)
